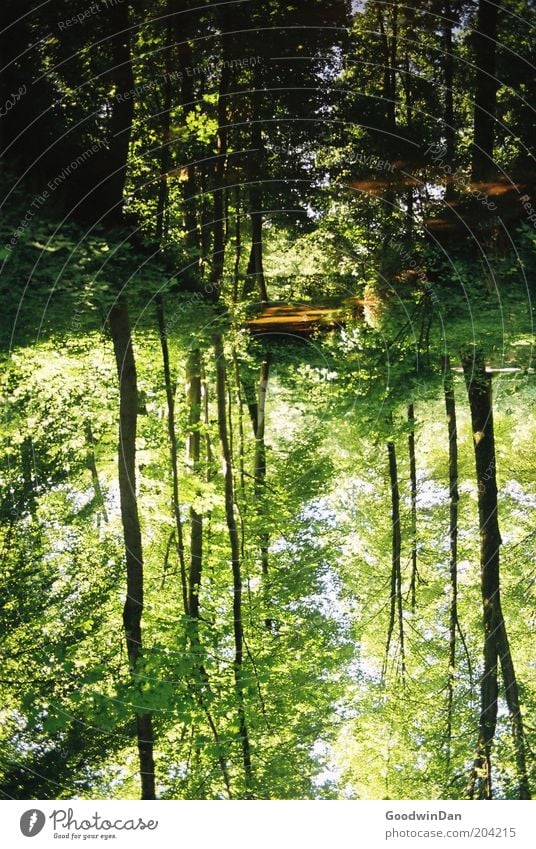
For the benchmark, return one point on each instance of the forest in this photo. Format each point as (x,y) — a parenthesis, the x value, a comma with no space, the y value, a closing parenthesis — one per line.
(267,480)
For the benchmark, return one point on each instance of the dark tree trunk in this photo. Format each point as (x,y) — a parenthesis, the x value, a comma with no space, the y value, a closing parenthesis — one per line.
(413,496)
(486,84)
(202,687)
(193,377)
(170,398)
(221,387)
(496,646)
(396,574)
(450,409)
(132,612)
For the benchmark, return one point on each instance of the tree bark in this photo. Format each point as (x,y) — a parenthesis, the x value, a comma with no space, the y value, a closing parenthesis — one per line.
(132,612)
(496,646)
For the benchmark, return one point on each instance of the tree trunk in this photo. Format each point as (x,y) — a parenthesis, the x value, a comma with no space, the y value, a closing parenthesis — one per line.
(396,574)
(221,386)
(450,409)
(496,646)
(193,377)
(112,195)
(132,612)
(413,496)
(486,84)
(170,398)
(202,687)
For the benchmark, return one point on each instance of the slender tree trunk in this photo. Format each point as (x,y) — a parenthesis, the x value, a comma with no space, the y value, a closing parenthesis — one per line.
(173,450)
(413,496)
(221,388)
(193,377)
(450,409)
(203,690)
(496,646)
(132,613)
(486,84)
(396,574)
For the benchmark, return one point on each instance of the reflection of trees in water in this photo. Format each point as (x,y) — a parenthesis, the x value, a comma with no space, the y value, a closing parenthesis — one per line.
(251,495)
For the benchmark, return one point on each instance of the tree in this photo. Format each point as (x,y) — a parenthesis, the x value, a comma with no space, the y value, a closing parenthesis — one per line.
(496,643)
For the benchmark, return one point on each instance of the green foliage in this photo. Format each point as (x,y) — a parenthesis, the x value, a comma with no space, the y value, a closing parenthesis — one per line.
(331,153)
